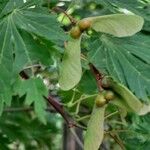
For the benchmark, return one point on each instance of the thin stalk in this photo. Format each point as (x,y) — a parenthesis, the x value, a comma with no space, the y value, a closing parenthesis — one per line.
(72,20)
(118,141)
(76,137)
(98,76)
(84,117)
(81,126)
(112,114)
(118,122)
(83,98)
(31,66)
(77,108)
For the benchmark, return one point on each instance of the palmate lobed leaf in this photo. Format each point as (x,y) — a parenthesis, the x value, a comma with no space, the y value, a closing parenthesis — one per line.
(34,89)
(28,51)
(95,129)
(126,60)
(6,64)
(2,4)
(40,24)
(70,69)
(119,25)
(24,54)
(10,5)
(18,47)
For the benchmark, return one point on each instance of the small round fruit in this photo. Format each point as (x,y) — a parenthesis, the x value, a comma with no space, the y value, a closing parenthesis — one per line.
(84,24)
(75,32)
(100,101)
(105,83)
(109,95)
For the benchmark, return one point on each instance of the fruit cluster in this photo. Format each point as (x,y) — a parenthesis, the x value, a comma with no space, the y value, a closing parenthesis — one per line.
(103,98)
(81,26)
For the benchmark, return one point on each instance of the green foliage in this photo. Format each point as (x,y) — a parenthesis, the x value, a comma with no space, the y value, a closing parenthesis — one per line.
(2,4)
(24,128)
(34,65)
(138,135)
(87,84)
(34,90)
(125,59)
(19,47)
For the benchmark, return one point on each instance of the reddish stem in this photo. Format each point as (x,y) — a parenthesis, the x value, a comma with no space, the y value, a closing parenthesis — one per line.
(56,105)
(98,76)
(59,108)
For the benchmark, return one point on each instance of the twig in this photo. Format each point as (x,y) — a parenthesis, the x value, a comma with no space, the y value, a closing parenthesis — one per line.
(72,20)
(76,138)
(117,122)
(31,66)
(98,76)
(83,57)
(117,141)
(81,126)
(83,98)
(56,105)
(118,131)
(109,115)
(59,108)
(84,117)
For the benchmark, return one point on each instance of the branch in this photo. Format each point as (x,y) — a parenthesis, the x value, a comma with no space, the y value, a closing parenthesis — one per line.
(59,108)
(117,141)
(98,76)
(77,138)
(51,100)
(58,9)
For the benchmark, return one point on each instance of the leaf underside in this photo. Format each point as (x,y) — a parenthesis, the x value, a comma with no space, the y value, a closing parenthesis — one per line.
(125,59)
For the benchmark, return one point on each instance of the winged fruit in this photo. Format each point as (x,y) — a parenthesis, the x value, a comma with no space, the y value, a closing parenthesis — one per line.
(75,32)
(100,100)
(84,24)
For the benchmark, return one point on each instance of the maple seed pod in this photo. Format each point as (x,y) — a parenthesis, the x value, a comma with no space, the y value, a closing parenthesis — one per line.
(109,95)
(84,24)
(100,101)
(75,32)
